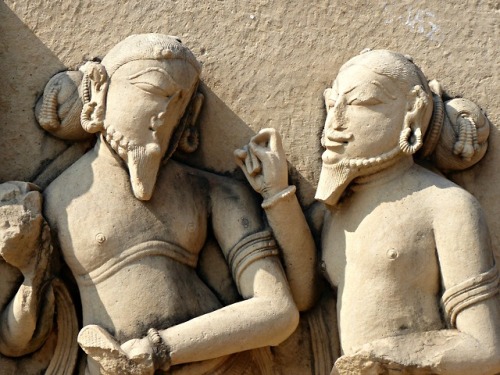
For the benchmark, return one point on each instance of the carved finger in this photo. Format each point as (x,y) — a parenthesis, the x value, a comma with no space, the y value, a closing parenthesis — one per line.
(275,143)
(259,151)
(240,153)
(248,162)
(255,164)
(263,136)
(242,164)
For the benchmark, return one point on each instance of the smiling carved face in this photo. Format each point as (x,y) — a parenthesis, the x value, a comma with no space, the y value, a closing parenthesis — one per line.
(365,113)
(145,102)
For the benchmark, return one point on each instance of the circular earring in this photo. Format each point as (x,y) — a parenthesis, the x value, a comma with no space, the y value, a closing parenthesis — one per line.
(408,145)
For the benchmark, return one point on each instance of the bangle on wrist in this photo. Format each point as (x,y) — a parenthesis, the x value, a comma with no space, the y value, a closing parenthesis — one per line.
(161,352)
(285,193)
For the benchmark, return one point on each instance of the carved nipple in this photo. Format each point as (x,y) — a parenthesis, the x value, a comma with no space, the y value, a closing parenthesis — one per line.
(392,254)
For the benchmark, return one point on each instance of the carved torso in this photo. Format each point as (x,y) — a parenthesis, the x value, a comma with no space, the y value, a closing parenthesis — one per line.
(134,261)
(379,251)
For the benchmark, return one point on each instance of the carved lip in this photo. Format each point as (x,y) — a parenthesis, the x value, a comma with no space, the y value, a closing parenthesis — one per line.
(336,139)
(333,145)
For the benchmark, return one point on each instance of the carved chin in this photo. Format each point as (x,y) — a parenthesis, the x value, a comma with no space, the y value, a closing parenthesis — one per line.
(333,181)
(143,165)
(335,178)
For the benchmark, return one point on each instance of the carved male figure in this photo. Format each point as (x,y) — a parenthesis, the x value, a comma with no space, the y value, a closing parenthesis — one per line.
(23,257)
(407,251)
(130,223)
(37,321)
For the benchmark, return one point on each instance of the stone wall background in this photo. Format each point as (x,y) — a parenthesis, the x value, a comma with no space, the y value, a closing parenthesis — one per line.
(266,63)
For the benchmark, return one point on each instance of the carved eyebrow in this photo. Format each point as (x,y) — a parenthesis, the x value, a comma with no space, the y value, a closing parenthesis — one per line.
(377,84)
(383,89)
(155,69)
(336,90)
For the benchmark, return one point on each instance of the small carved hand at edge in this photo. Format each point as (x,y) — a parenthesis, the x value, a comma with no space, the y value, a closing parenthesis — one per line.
(134,357)
(26,249)
(359,364)
(366,362)
(263,162)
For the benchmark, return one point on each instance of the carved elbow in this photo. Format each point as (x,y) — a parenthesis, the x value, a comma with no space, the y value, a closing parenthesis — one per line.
(496,360)
(286,322)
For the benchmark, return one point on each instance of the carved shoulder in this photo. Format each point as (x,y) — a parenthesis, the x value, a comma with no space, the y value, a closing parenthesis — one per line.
(51,203)
(73,182)
(461,235)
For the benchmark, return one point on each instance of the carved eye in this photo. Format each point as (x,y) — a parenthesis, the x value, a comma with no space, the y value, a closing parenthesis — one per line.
(151,88)
(155,81)
(364,101)
(330,103)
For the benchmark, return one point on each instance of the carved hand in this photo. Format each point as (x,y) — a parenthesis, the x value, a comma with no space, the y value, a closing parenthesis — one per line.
(263,162)
(363,364)
(369,360)
(22,248)
(134,357)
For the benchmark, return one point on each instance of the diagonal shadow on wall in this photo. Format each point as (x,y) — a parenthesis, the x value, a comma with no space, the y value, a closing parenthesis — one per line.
(26,64)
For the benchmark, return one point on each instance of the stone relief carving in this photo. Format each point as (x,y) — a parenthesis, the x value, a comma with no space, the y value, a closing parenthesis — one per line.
(407,251)
(38,321)
(131,222)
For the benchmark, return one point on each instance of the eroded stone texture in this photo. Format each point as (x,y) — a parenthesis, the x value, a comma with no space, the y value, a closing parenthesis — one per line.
(38,323)
(148,218)
(266,63)
(407,251)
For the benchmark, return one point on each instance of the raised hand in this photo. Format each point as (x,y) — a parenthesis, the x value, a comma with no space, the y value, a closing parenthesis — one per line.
(263,162)
(24,235)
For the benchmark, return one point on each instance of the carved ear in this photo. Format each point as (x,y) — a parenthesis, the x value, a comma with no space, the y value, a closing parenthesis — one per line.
(198,100)
(326,94)
(190,137)
(411,136)
(95,87)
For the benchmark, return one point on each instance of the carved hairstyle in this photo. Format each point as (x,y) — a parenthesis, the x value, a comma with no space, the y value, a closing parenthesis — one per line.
(455,132)
(67,110)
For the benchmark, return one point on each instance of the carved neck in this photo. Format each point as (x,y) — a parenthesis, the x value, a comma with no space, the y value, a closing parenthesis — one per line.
(390,173)
(105,152)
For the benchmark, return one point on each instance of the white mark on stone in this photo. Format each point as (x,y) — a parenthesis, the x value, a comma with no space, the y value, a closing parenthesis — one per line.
(422,22)
(252,16)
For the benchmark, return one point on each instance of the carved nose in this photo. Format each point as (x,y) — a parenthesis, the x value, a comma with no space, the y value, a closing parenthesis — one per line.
(334,120)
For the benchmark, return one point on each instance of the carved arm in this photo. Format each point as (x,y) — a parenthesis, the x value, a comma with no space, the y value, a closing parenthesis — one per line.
(263,162)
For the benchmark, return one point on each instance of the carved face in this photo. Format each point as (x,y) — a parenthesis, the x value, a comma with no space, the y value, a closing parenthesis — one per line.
(145,101)
(365,113)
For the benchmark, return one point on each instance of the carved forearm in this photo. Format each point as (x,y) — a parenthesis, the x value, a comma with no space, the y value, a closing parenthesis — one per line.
(290,229)
(24,326)
(259,321)
(445,352)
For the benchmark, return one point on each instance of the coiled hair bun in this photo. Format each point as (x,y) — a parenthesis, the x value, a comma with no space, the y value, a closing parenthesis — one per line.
(58,109)
(457,137)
